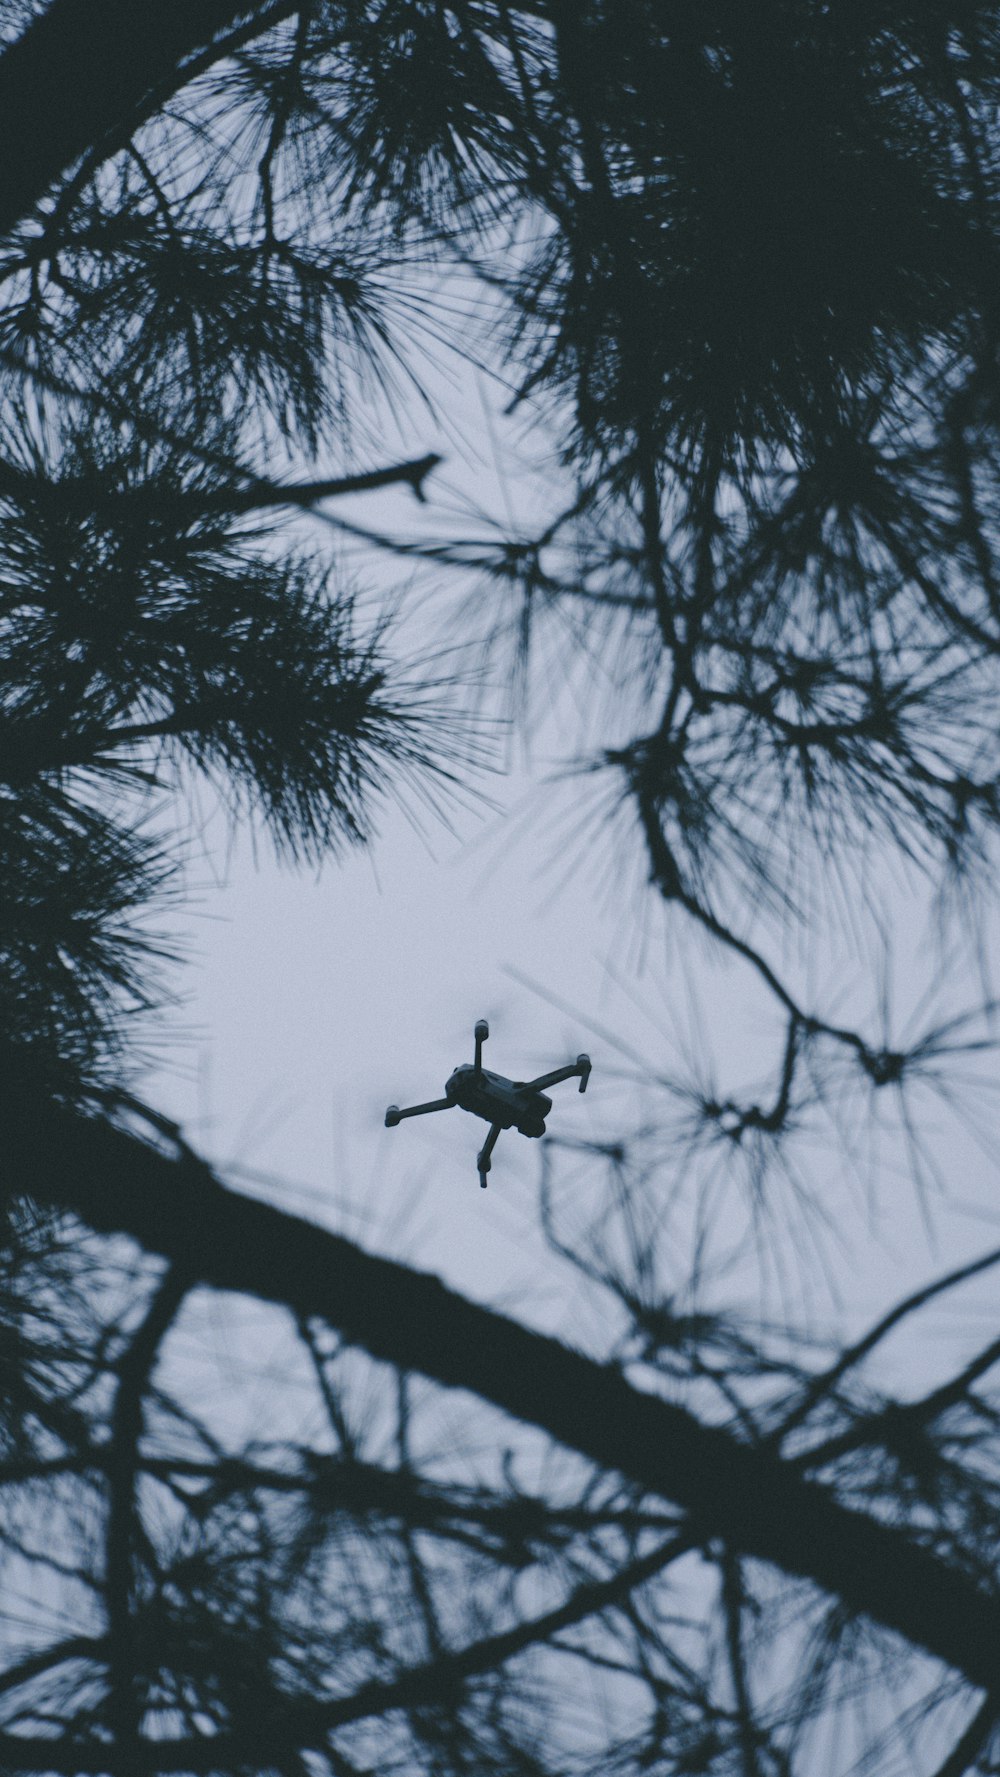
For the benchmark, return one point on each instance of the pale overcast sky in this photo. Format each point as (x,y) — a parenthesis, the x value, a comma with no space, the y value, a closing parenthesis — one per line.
(311,1002)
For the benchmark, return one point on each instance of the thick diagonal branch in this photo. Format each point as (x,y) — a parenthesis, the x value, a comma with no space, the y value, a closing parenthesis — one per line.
(116,1183)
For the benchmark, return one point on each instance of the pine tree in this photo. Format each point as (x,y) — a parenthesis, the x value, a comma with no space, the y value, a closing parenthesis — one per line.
(741,263)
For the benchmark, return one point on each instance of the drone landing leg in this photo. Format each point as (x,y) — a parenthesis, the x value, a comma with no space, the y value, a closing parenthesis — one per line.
(483,1161)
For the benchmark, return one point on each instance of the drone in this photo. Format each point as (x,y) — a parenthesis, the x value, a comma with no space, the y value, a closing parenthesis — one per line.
(505,1104)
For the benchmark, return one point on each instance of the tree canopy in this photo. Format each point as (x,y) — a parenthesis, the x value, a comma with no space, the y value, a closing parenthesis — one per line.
(737,266)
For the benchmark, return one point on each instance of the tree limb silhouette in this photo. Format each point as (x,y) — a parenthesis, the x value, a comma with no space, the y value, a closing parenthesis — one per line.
(69,83)
(176,1206)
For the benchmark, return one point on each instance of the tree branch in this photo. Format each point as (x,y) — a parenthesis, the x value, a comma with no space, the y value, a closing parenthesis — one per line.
(89,71)
(174,1205)
(308,1724)
(122,1465)
(306,494)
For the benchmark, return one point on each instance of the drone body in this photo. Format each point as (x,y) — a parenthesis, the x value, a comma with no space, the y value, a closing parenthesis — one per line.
(512,1103)
(503,1103)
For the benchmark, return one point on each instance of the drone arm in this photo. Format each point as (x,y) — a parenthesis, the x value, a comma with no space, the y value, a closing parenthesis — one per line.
(394,1115)
(482,1031)
(581,1067)
(483,1157)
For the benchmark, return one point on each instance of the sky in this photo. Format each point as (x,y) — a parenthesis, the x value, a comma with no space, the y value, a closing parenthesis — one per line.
(312,1000)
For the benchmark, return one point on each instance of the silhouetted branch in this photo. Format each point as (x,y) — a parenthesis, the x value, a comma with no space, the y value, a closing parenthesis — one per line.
(824,1384)
(118,1184)
(733,1604)
(121,1467)
(307,494)
(962,1758)
(65,86)
(309,1724)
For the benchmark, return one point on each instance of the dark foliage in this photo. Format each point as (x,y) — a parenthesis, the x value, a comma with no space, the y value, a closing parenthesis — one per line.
(742,266)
